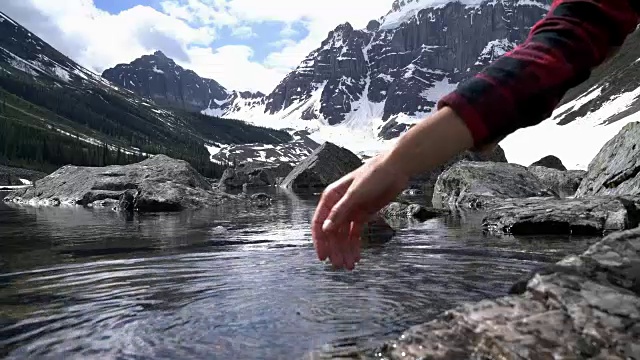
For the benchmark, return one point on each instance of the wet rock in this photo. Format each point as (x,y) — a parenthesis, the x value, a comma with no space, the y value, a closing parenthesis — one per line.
(563,183)
(376,232)
(157,184)
(616,168)
(584,307)
(411,211)
(585,216)
(551,162)
(261,200)
(325,165)
(478,184)
(252,175)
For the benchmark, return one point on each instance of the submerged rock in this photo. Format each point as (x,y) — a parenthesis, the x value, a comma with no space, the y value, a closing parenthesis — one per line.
(325,165)
(411,211)
(477,184)
(586,216)
(616,168)
(564,183)
(157,184)
(376,232)
(583,307)
(551,162)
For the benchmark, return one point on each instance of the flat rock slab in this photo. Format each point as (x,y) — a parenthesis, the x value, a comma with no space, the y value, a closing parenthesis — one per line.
(585,216)
(588,310)
(157,184)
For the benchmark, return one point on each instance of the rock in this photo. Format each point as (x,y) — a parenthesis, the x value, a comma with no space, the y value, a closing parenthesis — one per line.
(585,216)
(325,165)
(251,175)
(563,183)
(583,307)
(159,183)
(11,176)
(551,162)
(616,168)
(477,184)
(376,232)
(427,180)
(261,200)
(411,211)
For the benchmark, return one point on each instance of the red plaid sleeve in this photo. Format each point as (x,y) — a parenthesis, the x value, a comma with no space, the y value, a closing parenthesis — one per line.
(524,86)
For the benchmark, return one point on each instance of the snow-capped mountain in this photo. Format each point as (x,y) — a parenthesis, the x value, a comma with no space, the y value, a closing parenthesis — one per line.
(376,81)
(160,79)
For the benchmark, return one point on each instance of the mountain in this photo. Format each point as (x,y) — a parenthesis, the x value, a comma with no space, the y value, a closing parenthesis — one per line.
(362,88)
(54,112)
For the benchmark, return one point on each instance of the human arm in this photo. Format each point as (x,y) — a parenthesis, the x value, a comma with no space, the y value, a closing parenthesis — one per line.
(518,90)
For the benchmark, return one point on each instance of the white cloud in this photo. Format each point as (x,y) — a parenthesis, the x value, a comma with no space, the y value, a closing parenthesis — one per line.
(243,32)
(185,30)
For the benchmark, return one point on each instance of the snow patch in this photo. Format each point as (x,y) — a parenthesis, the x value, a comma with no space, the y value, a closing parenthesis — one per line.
(576,143)
(438,90)
(156,70)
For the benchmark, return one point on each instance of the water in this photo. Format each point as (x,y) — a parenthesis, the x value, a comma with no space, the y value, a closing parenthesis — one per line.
(82,284)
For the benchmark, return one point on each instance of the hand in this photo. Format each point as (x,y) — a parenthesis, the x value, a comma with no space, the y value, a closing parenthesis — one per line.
(348,203)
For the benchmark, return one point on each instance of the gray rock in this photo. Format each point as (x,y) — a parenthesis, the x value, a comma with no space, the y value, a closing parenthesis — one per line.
(550,161)
(10,176)
(376,232)
(616,168)
(477,184)
(251,175)
(583,307)
(157,184)
(411,211)
(564,183)
(325,165)
(427,180)
(584,216)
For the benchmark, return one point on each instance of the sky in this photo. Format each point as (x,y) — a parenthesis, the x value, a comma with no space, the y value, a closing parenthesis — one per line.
(242,44)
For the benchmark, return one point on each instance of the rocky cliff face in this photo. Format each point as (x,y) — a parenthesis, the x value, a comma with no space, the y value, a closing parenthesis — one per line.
(160,79)
(401,65)
(381,78)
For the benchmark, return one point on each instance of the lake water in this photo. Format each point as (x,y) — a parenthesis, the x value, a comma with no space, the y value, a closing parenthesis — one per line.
(231,284)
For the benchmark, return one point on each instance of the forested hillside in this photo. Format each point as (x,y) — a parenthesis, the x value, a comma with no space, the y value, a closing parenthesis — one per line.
(53,112)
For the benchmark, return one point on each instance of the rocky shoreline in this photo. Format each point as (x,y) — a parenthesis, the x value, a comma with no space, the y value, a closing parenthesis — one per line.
(585,306)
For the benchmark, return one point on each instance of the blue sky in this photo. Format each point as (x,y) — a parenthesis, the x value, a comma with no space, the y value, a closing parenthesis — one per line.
(243,44)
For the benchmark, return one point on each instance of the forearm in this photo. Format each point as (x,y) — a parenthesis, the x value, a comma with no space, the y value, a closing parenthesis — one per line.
(523,87)
(430,143)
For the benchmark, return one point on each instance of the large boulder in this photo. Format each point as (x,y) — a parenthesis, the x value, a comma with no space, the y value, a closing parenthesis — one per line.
(477,184)
(325,165)
(159,183)
(564,183)
(585,216)
(551,162)
(254,175)
(426,181)
(616,168)
(583,307)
